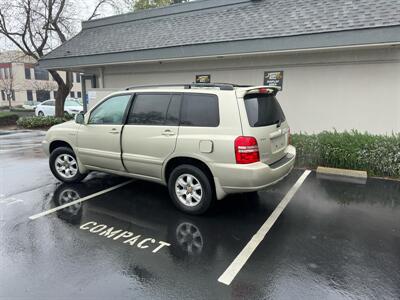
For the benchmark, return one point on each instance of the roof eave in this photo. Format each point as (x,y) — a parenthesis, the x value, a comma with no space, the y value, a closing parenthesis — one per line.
(341,39)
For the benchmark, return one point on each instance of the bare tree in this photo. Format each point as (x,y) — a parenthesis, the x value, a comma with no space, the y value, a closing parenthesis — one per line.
(8,85)
(37,26)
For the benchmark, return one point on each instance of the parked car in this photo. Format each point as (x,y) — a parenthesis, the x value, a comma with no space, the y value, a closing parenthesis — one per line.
(48,107)
(203,141)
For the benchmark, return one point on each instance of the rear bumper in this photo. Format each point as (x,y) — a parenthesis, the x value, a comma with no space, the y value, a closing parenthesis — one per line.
(235,178)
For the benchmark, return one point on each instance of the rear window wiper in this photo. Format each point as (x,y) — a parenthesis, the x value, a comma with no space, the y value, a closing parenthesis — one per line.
(278,123)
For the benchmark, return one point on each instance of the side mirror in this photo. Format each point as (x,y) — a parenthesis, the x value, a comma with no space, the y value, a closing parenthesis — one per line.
(80,118)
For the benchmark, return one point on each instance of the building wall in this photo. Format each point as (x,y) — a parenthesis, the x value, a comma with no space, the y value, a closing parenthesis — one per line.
(342,89)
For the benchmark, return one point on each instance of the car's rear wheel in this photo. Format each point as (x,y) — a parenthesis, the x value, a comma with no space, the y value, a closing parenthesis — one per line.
(64,165)
(41,114)
(190,189)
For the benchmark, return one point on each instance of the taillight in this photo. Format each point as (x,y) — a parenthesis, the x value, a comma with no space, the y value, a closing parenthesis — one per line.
(246,150)
(289,138)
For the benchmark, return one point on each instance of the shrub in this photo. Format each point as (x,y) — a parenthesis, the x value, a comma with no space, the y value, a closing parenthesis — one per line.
(7,118)
(377,154)
(21,109)
(40,122)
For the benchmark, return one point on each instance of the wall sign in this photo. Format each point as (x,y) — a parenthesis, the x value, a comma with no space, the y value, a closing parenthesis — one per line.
(203,78)
(273,78)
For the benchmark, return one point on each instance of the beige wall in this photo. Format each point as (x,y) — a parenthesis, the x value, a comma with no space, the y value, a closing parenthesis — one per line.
(343,89)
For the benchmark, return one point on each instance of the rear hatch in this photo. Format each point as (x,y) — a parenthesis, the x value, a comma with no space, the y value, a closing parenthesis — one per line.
(267,123)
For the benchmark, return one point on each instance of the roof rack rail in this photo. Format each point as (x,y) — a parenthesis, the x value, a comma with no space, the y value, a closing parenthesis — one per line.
(221,86)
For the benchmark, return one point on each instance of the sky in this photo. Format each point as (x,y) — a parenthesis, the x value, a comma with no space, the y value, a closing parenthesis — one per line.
(83,10)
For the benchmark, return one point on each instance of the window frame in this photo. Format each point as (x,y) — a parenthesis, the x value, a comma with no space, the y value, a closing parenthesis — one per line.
(196,94)
(125,115)
(171,94)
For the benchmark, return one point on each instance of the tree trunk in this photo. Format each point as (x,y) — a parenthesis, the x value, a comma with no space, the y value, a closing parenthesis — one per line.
(9,102)
(62,92)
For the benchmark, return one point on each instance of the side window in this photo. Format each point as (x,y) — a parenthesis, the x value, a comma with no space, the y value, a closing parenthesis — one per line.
(200,110)
(111,111)
(51,103)
(155,109)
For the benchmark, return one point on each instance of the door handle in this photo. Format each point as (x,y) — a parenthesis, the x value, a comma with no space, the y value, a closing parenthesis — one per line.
(168,133)
(114,131)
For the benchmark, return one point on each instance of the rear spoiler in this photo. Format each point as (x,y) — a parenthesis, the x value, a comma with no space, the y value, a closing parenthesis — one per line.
(262,89)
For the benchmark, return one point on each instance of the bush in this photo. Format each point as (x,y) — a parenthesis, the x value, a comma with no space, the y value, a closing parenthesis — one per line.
(21,109)
(379,155)
(40,122)
(7,118)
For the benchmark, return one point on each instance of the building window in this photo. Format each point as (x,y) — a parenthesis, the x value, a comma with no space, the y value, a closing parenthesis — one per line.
(78,77)
(41,74)
(3,95)
(13,95)
(42,95)
(72,94)
(79,95)
(5,73)
(29,95)
(27,73)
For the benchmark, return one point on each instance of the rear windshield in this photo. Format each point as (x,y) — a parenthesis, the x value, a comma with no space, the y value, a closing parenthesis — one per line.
(263,110)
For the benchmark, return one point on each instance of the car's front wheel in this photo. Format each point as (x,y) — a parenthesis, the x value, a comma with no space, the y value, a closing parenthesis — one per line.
(190,189)
(41,114)
(64,165)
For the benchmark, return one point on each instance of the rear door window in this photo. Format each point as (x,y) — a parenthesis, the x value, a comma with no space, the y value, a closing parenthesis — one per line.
(263,110)
(200,110)
(155,109)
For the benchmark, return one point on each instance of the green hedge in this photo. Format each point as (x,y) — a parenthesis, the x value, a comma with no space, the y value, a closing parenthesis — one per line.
(7,118)
(21,109)
(41,122)
(377,154)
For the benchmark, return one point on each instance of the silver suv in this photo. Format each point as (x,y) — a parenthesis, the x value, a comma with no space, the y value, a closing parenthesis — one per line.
(203,141)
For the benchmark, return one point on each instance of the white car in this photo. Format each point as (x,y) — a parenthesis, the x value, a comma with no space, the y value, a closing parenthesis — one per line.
(48,107)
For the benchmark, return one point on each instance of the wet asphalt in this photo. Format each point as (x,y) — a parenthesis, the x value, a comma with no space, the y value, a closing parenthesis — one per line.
(335,240)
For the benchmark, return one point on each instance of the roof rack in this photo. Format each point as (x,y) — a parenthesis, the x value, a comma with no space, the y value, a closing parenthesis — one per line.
(188,86)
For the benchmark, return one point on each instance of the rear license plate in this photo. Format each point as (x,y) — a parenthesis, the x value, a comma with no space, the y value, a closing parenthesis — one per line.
(278,143)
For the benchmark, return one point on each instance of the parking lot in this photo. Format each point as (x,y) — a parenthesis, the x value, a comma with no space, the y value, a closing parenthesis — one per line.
(126,240)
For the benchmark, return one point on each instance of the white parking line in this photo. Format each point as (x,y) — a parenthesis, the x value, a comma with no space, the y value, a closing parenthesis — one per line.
(240,260)
(47,212)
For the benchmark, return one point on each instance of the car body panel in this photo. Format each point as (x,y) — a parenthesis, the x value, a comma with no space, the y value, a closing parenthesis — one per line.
(145,148)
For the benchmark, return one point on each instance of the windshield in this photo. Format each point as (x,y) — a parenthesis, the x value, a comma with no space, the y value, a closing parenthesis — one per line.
(72,103)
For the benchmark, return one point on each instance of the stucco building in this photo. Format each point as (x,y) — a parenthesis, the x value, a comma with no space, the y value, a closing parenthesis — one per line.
(338,61)
(25,82)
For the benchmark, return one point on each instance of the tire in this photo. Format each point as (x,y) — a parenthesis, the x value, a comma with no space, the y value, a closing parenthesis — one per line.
(71,172)
(41,114)
(194,201)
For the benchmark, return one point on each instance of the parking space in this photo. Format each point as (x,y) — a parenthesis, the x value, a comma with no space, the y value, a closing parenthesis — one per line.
(334,239)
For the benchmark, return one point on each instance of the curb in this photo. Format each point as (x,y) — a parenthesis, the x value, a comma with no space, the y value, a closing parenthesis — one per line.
(342,175)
